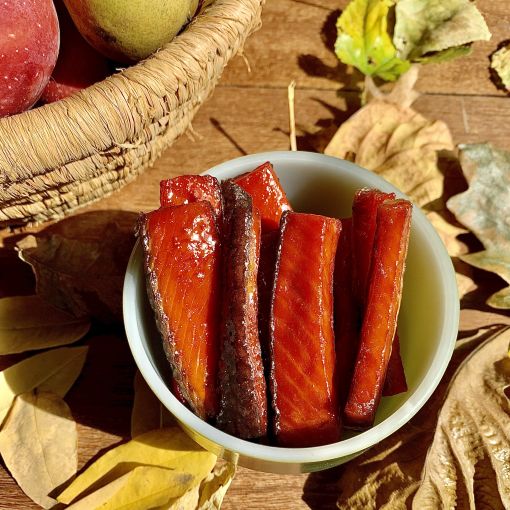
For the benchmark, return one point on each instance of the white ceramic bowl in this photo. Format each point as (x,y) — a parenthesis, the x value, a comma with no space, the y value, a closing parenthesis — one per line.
(428,320)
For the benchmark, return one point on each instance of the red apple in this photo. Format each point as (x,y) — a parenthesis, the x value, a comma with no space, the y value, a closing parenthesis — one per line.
(29,42)
(79,64)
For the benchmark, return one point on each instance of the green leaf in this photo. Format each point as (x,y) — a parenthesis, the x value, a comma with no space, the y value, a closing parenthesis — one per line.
(500,62)
(363,40)
(424,27)
(485,208)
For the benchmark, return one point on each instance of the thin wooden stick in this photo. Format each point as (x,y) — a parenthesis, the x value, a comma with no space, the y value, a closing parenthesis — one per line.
(292,118)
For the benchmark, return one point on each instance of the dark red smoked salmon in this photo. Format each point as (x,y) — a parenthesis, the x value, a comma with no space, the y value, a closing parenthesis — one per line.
(182,265)
(268,196)
(382,306)
(304,393)
(187,189)
(395,381)
(243,402)
(346,312)
(364,212)
(267,264)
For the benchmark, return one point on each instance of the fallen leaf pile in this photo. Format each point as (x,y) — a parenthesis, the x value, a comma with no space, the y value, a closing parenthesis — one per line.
(485,209)
(424,31)
(160,468)
(467,464)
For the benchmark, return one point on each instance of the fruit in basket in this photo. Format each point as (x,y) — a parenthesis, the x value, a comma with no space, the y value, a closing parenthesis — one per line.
(182,265)
(130,31)
(29,44)
(79,65)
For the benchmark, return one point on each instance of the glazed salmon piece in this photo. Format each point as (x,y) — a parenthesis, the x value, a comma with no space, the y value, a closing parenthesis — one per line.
(382,306)
(186,189)
(364,216)
(243,402)
(346,312)
(364,213)
(267,193)
(182,265)
(302,349)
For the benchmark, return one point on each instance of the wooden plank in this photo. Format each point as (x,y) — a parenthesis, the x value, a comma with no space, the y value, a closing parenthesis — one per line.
(257,121)
(296,43)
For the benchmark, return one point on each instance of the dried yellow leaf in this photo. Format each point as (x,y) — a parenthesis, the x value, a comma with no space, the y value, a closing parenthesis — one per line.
(38,444)
(148,412)
(209,494)
(145,487)
(500,62)
(28,323)
(388,137)
(215,486)
(166,448)
(54,371)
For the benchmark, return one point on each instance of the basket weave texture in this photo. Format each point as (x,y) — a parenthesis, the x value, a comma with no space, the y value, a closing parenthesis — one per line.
(61,156)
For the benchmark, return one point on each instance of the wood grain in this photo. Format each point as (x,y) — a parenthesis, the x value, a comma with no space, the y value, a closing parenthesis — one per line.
(247,114)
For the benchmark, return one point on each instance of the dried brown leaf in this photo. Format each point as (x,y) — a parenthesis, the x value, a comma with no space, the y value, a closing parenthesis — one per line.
(28,323)
(148,412)
(390,138)
(485,208)
(467,464)
(38,444)
(82,274)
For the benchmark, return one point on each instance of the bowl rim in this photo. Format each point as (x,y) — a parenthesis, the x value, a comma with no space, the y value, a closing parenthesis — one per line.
(345,447)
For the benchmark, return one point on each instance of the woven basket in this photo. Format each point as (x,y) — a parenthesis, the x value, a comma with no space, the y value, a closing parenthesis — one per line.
(58,157)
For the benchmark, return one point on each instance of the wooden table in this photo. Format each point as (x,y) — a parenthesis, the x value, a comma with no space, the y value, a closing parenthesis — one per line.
(248,113)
